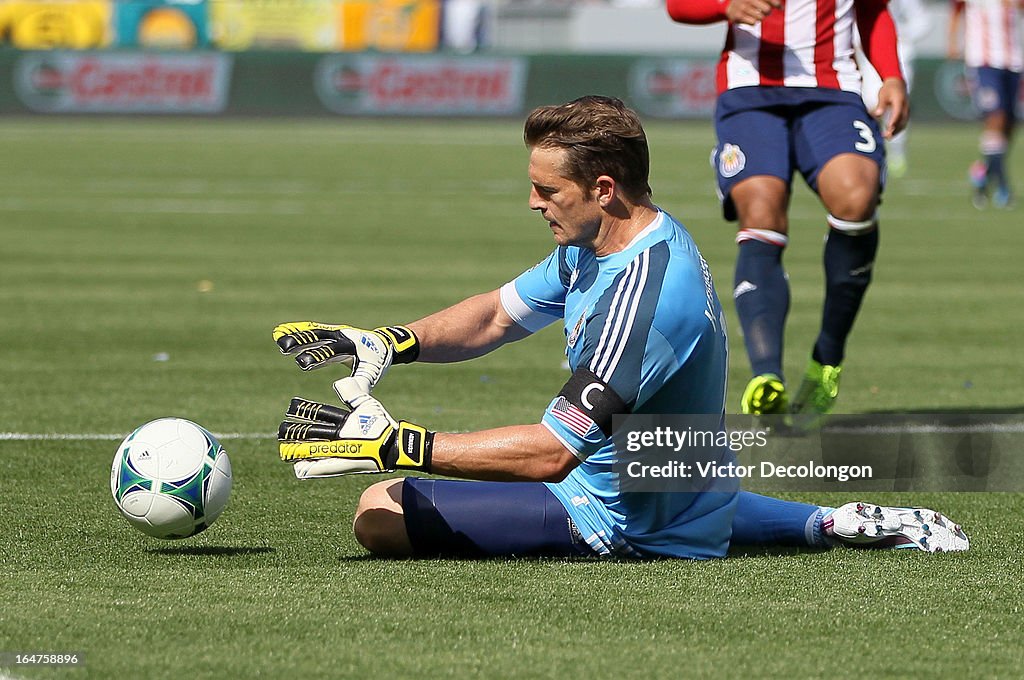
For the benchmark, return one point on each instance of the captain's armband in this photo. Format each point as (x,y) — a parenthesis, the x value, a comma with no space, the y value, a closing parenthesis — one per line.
(595,398)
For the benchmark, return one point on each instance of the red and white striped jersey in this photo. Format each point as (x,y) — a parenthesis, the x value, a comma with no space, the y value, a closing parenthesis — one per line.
(805,43)
(992,34)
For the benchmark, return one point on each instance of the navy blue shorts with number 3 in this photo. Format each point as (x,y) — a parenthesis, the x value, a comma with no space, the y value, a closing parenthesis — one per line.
(778,130)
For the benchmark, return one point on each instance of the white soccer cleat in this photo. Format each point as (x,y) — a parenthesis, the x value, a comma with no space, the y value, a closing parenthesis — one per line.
(879,526)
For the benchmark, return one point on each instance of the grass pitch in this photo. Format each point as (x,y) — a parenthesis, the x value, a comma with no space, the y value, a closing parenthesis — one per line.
(143,264)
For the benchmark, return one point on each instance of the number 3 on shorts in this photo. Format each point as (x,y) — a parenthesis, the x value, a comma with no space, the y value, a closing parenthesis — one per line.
(869,144)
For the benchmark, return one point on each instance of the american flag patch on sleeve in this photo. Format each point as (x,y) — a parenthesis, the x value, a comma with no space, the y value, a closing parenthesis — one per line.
(574,418)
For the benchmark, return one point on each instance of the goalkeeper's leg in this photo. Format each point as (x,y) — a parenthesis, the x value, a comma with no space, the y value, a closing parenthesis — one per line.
(449,518)
(379,525)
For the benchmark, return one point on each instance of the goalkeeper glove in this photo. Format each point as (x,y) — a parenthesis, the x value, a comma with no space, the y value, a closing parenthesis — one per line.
(325,441)
(369,353)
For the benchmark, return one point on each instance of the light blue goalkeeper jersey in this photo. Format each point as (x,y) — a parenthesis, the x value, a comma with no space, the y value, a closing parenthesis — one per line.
(647,322)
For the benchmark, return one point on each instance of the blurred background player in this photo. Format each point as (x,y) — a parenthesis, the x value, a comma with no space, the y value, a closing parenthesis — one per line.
(990,45)
(912,24)
(644,334)
(789,100)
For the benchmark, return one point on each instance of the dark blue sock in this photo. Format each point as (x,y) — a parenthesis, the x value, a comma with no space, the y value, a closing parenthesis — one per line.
(849,261)
(761,520)
(762,302)
(995,169)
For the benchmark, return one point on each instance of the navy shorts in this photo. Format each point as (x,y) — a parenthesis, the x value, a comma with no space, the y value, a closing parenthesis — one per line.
(778,130)
(487,519)
(994,89)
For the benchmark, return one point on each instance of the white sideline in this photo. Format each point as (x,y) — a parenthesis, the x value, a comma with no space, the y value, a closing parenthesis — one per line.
(979,428)
(96,436)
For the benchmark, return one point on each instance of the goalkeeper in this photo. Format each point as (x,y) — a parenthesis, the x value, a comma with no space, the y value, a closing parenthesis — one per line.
(644,334)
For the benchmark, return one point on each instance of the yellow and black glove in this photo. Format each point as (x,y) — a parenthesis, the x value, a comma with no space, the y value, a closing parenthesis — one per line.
(326,441)
(368,353)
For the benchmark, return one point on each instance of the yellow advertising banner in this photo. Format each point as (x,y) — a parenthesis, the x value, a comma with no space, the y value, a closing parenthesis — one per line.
(309,25)
(72,24)
(390,25)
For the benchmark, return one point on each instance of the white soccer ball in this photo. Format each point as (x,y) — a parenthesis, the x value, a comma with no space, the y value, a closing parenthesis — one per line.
(170,478)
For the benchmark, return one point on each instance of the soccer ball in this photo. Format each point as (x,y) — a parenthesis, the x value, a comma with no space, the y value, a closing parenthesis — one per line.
(170,478)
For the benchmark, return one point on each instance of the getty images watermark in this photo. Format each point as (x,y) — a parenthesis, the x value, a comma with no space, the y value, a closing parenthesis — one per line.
(734,440)
(946,452)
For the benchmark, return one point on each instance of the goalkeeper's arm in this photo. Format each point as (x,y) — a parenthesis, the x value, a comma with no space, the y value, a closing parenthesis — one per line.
(325,441)
(466,330)
(505,454)
(463,331)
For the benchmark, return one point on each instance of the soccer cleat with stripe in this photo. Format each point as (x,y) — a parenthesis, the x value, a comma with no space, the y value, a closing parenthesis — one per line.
(1003,199)
(817,393)
(896,166)
(878,526)
(765,395)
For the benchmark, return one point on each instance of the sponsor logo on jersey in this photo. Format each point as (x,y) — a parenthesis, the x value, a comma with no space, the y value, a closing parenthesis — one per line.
(709,294)
(731,161)
(577,330)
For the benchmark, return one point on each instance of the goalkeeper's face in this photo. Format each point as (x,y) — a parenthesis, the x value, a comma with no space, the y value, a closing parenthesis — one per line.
(572,212)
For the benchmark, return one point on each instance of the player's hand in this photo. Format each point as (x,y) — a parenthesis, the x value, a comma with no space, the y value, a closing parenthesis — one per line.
(893,106)
(750,12)
(369,353)
(326,441)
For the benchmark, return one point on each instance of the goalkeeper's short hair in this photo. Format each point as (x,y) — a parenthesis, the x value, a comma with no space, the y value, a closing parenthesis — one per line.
(602,137)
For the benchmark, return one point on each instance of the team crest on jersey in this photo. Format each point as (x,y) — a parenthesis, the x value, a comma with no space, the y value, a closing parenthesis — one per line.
(577,330)
(988,99)
(731,161)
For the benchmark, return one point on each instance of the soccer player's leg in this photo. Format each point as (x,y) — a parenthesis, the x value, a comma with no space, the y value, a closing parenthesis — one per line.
(448,518)
(379,524)
(1009,87)
(763,520)
(766,521)
(752,165)
(994,92)
(840,153)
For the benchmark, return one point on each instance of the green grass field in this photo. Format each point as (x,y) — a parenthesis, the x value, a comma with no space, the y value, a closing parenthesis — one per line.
(125,242)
